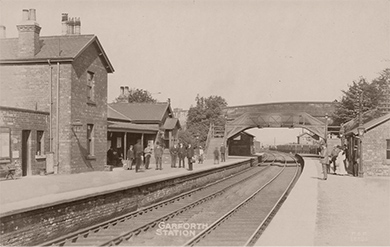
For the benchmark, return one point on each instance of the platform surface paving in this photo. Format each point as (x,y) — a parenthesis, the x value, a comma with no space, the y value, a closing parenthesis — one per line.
(341,211)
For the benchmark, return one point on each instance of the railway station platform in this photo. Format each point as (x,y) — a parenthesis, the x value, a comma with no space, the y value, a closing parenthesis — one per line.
(34,191)
(339,211)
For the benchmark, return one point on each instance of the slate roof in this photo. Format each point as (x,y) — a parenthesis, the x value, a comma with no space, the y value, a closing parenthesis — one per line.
(142,112)
(55,48)
(370,124)
(170,123)
(115,115)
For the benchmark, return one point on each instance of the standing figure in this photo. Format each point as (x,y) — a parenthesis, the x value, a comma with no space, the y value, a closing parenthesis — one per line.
(158,152)
(223,151)
(148,154)
(138,150)
(335,152)
(182,155)
(190,156)
(341,164)
(130,157)
(324,161)
(216,156)
(110,157)
(356,161)
(174,150)
(200,157)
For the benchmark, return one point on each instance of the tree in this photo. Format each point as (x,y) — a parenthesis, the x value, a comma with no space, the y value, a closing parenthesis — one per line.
(136,95)
(361,96)
(207,110)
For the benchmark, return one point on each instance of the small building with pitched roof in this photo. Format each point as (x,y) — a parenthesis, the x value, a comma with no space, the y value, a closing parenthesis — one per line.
(241,144)
(53,99)
(149,122)
(375,144)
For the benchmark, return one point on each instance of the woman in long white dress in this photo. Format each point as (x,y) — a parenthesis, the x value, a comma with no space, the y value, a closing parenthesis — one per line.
(340,164)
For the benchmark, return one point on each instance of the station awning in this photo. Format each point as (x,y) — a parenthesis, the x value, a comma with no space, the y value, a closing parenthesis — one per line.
(133,128)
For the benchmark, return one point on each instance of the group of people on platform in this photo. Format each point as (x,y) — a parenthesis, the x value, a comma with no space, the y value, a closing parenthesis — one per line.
(335,159)
(137,156)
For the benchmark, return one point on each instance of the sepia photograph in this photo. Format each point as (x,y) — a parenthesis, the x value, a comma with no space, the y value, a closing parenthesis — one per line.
(194,122)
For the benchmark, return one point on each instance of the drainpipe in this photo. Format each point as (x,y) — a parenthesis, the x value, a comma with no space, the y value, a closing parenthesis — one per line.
(56,167)
(51,105)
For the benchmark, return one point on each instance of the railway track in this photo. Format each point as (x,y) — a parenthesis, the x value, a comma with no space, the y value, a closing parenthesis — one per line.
(120,229)
(243,225)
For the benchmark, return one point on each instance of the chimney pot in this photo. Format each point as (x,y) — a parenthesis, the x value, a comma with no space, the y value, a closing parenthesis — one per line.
(64,23)
(25,15)
(77,25)
(64,16)
(122,90)
(32,16)
(127,91)
(2,32)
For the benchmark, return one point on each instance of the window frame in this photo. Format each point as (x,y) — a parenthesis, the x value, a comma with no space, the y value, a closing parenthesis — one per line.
(40,143)
(90,86)
(6,130)
(90,140)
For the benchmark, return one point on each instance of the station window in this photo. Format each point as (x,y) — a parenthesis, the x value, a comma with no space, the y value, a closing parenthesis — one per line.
(90,86)
(5,143)
(40,143)
(90,140)
(388,149)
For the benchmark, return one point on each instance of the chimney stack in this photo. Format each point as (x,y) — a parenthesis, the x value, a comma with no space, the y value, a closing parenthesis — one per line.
(127,91)
(64,23)
(2,32)
(122,91)
(29,29)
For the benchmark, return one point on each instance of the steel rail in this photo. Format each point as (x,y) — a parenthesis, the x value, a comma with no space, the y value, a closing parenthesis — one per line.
(214,225)
(129,234)
(257,233)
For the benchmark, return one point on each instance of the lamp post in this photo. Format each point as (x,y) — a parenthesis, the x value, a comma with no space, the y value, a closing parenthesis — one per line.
(326,130)
(360,130)
(360,165)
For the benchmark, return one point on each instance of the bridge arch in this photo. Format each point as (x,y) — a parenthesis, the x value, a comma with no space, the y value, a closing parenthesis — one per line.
(307,115)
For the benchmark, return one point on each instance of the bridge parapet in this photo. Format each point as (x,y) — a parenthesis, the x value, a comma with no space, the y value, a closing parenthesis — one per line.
(315,109)
(308,115)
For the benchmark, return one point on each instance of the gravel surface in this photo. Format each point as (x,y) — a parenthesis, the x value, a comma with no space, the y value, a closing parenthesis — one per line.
(353,211)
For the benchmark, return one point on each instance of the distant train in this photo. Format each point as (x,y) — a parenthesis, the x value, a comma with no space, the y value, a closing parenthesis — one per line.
(297,148)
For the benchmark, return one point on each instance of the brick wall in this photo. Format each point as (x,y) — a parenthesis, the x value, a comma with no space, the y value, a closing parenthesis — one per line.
(28,87)
(89,112)
(374,151)
(18,120)
(40,225)
(25,86)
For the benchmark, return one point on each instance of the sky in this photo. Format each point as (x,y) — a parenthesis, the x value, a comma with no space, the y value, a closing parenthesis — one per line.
(248,52)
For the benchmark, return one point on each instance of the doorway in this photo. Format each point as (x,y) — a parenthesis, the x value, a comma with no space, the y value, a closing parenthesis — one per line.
(26,152)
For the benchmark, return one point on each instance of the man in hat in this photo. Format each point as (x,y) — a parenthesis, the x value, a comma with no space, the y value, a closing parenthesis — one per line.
(324,161)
